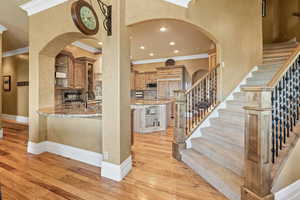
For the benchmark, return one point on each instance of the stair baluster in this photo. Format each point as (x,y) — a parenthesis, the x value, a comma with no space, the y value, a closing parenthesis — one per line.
(192,107)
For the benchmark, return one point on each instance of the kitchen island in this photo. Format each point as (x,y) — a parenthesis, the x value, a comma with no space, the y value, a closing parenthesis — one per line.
(151,115)
(73,126)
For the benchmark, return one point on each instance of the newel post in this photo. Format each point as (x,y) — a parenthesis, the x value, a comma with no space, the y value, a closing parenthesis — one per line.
(179,128)
(258,137)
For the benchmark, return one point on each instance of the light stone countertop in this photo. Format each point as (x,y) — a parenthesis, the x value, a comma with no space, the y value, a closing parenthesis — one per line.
(74,112)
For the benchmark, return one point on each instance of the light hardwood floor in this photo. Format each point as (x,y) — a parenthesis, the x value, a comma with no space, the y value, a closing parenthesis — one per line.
(155,175)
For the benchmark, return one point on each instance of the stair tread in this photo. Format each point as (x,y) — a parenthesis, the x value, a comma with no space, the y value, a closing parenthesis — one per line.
(221,150)
(219,177)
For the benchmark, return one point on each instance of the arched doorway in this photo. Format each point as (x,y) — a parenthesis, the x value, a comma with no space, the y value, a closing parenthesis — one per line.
(153,81)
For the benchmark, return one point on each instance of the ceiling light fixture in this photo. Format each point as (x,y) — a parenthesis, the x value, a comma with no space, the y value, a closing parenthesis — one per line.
(151,54)
(100,43)
(176,51)
(142,47)
(163,29)
(172,43)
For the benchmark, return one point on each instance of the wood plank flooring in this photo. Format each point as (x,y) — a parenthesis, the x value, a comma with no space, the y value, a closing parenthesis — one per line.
(155,175)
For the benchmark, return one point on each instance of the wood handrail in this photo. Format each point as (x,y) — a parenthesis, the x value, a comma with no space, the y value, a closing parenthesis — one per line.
(201,79)
(281,72)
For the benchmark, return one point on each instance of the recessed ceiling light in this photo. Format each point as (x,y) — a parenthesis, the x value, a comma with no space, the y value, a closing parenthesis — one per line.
(151,54)
(172,43)
(176,51)
(163,29)
(100,43)
(142,47)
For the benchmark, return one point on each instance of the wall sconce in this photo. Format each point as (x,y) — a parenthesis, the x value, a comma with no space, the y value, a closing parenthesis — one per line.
(106,11)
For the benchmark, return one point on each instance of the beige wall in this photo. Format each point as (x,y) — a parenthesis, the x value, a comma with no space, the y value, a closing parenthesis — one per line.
(290,172)
(1,73)
(190,65)
(271,22)
(280,24)
(236,29)
(70,131)
(16,101)
(289,24)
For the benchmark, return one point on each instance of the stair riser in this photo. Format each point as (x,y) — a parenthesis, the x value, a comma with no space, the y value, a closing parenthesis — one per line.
(276,55)
(263,75)
(254,83)
(211,179)
(233,165)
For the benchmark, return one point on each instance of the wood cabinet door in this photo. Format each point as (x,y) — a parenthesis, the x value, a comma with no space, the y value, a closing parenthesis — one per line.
(71,73)
(132,81)
(162,89)
(79,75)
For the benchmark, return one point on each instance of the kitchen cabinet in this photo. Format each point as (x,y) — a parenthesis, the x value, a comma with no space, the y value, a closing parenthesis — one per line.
(169,79)
(143,79)
(79,75)
(64,70)
(150,118)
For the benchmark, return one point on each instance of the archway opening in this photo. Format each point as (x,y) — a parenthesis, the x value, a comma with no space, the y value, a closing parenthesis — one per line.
(70,94)
(166,55)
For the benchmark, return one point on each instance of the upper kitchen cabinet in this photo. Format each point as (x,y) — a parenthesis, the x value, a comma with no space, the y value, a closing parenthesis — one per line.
(144,81)
(64,68)
(84,73)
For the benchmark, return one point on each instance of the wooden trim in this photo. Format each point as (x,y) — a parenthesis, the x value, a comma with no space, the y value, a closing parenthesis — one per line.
(199,81)
(170,67)
(281,72)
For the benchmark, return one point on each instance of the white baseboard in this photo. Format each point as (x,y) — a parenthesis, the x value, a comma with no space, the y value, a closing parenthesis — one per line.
(1,133)
(116,172)
(291,192)
(74,153)
(17,118)
(206,123)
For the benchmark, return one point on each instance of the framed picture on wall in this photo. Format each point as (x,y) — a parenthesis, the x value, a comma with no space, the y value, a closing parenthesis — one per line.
(6,83)
(264,8)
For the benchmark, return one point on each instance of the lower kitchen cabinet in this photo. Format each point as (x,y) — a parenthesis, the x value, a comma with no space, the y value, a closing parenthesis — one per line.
(150,118)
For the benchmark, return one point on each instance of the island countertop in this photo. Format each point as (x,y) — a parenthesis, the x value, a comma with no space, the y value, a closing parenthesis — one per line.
(73,112)
(150,102)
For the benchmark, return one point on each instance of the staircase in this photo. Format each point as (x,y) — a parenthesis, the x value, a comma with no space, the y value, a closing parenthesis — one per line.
(218,155)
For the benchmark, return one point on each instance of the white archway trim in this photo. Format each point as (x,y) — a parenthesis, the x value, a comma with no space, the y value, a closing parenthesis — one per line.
(86,47)
(15,52)
(183,3)
(2,29)
(177,58)
(36,6)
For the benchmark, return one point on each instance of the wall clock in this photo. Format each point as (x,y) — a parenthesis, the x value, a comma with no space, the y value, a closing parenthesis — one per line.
(85,17)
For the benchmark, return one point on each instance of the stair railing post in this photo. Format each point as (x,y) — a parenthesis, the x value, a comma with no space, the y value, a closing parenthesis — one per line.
(180,124)
(258,138)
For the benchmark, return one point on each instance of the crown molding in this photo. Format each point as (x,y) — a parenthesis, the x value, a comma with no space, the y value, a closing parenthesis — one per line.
(86,47)
(2,29)
(182,3)
(36,6)
(159,60)
(15,52)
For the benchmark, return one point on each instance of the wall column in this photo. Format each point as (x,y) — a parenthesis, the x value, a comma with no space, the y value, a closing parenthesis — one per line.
(116,97)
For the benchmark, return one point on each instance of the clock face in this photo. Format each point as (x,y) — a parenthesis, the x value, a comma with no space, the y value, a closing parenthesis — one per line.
(85,18)
(88,18)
